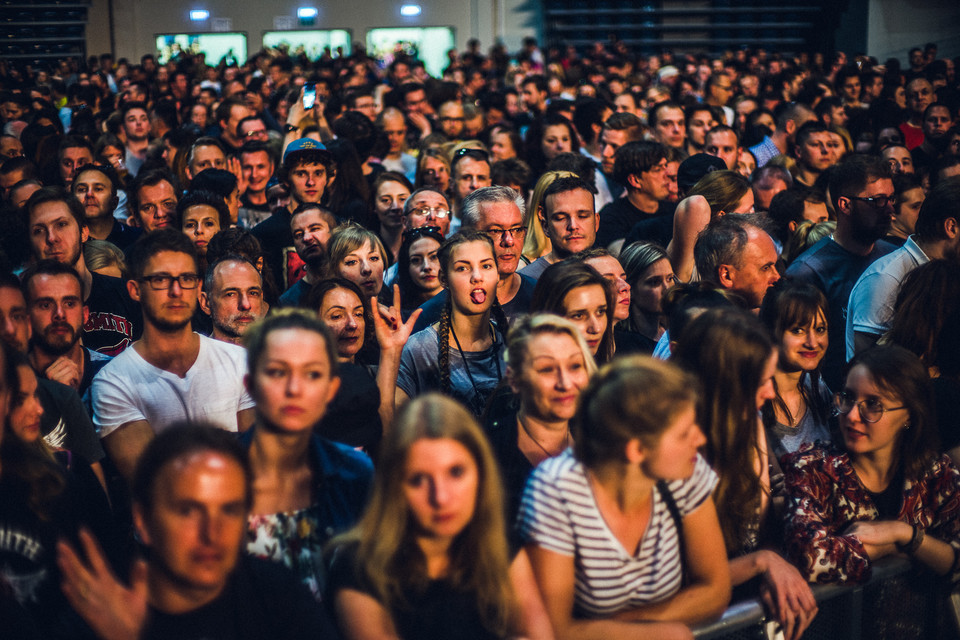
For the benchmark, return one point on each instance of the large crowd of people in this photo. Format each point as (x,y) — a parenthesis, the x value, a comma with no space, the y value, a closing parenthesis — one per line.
(559,345)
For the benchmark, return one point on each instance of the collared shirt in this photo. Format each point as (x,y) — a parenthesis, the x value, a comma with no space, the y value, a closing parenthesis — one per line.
(765,151)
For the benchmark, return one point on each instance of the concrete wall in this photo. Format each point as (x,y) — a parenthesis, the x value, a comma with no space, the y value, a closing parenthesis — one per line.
(137,22)
(896,26)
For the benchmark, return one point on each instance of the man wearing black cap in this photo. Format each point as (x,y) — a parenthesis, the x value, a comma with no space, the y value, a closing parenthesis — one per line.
(659,229)
(306,170)
(642,167)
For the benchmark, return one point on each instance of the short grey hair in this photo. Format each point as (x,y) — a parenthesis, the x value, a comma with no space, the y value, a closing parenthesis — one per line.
(723,242)
(471,206)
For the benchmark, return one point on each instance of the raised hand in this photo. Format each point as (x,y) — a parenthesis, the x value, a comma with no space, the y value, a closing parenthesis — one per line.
(112,609)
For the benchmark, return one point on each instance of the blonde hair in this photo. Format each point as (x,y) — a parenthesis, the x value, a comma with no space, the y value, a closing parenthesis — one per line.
(347,238)
(537,243)
(525,327)
(100,254)
(388,558)
(805,236)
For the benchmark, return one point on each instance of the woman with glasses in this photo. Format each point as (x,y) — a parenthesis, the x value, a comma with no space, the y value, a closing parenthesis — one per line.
(885,491)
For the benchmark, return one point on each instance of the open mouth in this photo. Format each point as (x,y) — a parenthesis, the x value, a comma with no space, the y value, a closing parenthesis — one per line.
(478,296)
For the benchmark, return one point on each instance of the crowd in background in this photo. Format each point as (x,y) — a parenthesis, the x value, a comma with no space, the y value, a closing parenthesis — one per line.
(561,344)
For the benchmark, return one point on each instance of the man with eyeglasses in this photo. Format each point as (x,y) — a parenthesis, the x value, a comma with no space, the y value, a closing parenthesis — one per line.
(171,374)
(57,230)
(937,237)
(498,212)
(863,197)
(452,119)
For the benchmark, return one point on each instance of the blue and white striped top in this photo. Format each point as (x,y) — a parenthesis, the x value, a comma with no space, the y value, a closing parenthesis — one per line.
(559,513)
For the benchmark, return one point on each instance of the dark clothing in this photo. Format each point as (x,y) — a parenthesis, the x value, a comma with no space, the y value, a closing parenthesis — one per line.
(29,576)
(834,270)
(65,423)
(296,295)
(121,236)
(115,320)
(353,416)
(276,240)
(946,390)
(503,431)
(93,361)
(439,610)
(658,229)
(519,305)
(260,600)
(629,342)
(618,219)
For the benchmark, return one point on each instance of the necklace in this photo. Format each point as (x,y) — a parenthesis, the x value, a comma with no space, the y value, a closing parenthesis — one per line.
(566,438)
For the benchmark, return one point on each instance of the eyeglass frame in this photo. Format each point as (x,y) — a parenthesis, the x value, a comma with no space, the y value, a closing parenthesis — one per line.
(155,278)
(409,235)
(873,200)
(434,211)
(497,235)
(861,406)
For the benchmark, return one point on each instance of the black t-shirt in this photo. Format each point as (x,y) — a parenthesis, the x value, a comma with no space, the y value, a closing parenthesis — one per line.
(658,228)
(115,320)
(353,417)
(632,342)
(29,577)
(122,236)
(65,423)
(439,611)
(261,600)
(618,218)
(276,240)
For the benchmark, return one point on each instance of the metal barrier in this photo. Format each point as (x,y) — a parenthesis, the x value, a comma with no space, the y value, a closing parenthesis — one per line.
(909,604)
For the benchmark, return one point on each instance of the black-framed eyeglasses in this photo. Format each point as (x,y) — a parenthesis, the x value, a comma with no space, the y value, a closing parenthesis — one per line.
(418,232)
(437,212)
(162,281)
(877,202)
(871,409)
(516,233)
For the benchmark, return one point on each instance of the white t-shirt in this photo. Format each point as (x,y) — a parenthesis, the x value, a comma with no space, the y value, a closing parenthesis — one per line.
(129,388)
(872,298)
(559,513)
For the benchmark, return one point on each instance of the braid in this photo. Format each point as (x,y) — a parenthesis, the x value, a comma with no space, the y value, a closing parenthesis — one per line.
(443,351)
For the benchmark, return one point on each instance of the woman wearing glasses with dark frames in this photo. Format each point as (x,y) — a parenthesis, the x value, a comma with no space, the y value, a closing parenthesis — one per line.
(886,491)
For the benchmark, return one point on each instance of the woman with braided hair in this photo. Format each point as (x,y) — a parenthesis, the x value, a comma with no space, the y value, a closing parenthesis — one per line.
(461,355)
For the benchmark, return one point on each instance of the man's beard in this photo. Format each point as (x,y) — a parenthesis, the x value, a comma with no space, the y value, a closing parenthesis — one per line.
(56,347)
(315,258)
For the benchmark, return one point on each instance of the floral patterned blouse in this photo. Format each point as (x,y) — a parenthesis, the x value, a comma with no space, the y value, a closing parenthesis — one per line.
(296,539)
(825,496)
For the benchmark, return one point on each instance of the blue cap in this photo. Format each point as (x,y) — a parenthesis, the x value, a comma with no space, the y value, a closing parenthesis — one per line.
(302,144)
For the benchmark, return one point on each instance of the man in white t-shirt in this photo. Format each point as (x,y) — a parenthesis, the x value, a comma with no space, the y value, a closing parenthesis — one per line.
(171,374)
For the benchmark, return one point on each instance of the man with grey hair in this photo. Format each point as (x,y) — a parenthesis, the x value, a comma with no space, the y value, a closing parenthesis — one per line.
(232,296)
(735,252)
(499,212)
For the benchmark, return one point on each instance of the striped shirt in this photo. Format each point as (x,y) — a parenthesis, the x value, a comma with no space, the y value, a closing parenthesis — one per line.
(560,514)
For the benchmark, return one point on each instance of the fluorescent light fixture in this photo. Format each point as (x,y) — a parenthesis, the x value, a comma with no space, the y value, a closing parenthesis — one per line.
(410,10)
(199,14)
(305,13)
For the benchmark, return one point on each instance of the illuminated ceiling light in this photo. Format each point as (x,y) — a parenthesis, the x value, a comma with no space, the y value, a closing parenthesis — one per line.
(199,14)
(305,13)
(410,10)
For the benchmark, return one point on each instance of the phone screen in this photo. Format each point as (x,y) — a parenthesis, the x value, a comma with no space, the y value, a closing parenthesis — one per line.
(309,95)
